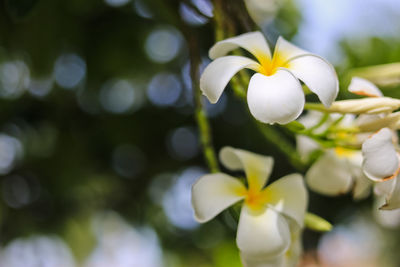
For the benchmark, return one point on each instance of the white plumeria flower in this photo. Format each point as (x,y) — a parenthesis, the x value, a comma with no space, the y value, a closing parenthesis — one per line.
(274,93)
(338,170)
(267,215)
(381,164)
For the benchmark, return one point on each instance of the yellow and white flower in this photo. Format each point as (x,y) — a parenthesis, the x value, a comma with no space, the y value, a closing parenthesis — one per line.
(338,170)
(274,94)
(269,216)
(381,164)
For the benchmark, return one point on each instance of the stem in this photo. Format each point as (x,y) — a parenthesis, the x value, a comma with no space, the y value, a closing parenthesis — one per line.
(315,106)
(201,118)
(194,56)
(205,138)
(282,144)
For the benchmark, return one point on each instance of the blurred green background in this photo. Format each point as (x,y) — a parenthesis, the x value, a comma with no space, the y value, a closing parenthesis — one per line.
(99,145)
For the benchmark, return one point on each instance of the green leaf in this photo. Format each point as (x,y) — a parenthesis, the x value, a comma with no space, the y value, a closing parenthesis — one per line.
(316,223)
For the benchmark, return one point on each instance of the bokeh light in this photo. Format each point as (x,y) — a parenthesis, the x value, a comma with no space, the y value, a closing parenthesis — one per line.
(14,78)
(10,152)
(117,3)
(199,15)
(164,89)
(19,191)
(163,45)
(121,245)
(40,87)
(204,6)
(37,251)
(183,143)
(190,16)
(69,70)
(142,9)
(120,96)
(357,244)
(177,200)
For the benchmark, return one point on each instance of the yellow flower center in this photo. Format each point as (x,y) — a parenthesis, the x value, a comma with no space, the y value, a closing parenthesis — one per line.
(347,137)
(344,152)
(256,200)
(270,66)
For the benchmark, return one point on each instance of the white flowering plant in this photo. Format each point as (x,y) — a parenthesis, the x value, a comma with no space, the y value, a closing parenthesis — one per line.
(343,147)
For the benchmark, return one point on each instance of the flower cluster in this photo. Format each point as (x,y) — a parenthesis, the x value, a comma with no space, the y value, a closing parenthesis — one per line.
(349,145)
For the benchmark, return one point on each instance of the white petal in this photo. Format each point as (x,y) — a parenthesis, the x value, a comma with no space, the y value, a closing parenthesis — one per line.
(318,74)
(295,251)
(375,122)
(257,167)
(362,185)
(262,233)
(276,98)
(219,72)
(287,50)
(329,175)
(251,261)
(305,146)
(347,121)
(254,42)
(364,87)
(380,158)
(384,188)
(288,195)
(387,218)
(393,199)
(213,193)
(289,259)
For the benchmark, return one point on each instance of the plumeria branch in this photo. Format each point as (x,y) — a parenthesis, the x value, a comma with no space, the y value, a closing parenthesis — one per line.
(194,58)
(201,118)
(224,28)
